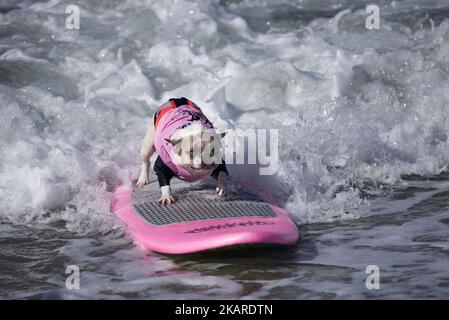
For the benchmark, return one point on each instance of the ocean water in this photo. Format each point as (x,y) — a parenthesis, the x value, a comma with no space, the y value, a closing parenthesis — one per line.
(362,117)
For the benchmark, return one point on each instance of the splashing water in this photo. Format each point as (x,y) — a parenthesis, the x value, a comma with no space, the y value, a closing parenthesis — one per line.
(357,110)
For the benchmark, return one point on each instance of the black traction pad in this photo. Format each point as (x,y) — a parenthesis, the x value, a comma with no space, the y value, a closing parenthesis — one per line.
(199,205)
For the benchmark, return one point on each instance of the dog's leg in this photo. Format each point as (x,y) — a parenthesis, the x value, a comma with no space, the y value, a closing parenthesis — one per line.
(220,173)
(164,175)
(166,197)
(222,184)
(146,151)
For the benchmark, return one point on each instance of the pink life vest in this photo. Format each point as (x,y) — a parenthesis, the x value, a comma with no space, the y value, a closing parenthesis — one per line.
(174,115)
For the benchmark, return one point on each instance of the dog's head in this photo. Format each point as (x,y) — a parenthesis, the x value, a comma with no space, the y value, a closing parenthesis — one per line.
(198,151)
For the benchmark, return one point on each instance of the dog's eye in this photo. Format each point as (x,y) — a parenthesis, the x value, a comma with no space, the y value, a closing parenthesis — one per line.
(191,152)
(212,152)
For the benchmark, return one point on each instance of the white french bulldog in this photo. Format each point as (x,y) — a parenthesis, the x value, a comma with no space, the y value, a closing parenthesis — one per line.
(187,147)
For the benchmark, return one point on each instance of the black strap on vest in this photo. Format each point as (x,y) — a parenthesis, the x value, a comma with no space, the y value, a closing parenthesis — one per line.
(180,101)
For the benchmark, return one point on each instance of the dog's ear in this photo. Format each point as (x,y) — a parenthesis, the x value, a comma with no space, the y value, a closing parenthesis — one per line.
(221,135)
(173,141)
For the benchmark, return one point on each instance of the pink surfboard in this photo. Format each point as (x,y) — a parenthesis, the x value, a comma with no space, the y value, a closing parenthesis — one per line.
(199,221)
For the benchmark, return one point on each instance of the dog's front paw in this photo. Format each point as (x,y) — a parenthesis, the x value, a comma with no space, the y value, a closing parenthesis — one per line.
(222,186)
(221,192)
(166,197)
(142,181)
(143,177)
(165,200)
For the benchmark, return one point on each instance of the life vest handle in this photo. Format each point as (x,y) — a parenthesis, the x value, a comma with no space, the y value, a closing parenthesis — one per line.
(174,103)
